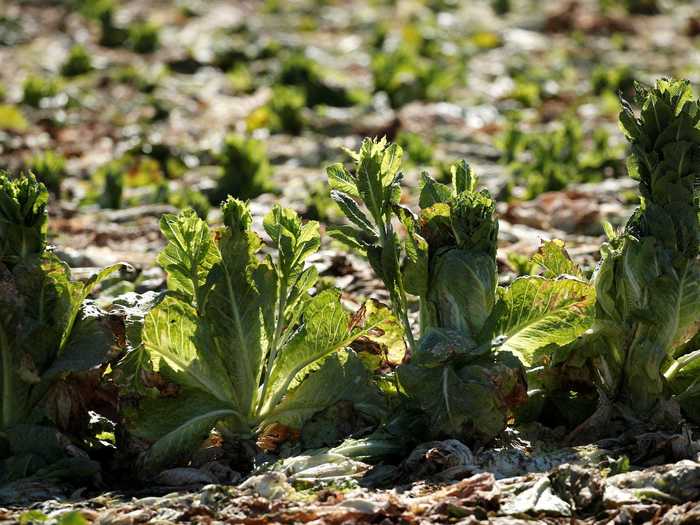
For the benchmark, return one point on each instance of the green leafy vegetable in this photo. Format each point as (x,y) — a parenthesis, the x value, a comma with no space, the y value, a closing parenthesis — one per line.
(36,89)
(552,160)
(50,168)
(23,218)
(241,336)
(641,349)
(648,283)
(376,182)
(301,71)
(447,260)
(246,169)
(48,332)
(78,62)
(465,375)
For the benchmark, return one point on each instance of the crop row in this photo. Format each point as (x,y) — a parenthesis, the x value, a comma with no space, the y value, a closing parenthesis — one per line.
(247,346)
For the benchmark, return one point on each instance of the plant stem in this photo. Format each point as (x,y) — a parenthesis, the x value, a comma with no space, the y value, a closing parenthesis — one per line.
(681,363)
(272,351)
(398,295)
(7,373)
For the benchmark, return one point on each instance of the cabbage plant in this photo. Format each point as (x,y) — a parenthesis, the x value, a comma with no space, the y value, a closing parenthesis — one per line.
(248,348)
(466,372)
(644,340)
(49,334)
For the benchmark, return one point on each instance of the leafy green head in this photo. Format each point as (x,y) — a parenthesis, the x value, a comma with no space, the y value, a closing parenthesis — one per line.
(415,147)
(665,141)
(646,283)
(236,214)
(299,70)
(472,216)
(405,75)
(35,89)
(143,37)
(283,113)
(246,169)
(23,217)
(50,168)
(287,105)
(458,215)
(78,62)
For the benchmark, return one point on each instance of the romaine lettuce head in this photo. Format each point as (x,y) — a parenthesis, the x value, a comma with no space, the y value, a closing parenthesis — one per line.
(458,218)
(470,396)
(242,340)
(648,281)
(462,290)
(50,335)
(23,218)
(475,227)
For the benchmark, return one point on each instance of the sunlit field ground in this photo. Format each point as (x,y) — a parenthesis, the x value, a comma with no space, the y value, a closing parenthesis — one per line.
(369,262)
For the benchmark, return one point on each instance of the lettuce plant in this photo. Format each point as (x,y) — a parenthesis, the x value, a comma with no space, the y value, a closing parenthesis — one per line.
(644,336)
(35,89)
(465,374)
(245,169)
(304,73)
(247,346)
(49,333)
(50,168)
(143,37)
(77,63)
(552,160)
(284,112)
(406,76)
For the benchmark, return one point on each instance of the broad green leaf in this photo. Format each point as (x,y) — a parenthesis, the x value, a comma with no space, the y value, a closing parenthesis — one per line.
(341,377)
(439,346)
(369,179)
(432,192)
(416,264)
(463,401)
(88,344)
(555,261)
(327,328)
(189,254)
(298,292)
(180,349)
(534,312)
(80,292)
(463,178)
(352,211)
(462,290)
(376,329)
(686,385)
(177,425)
(340,180)
(675,301)
(353,237)
(233,318)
